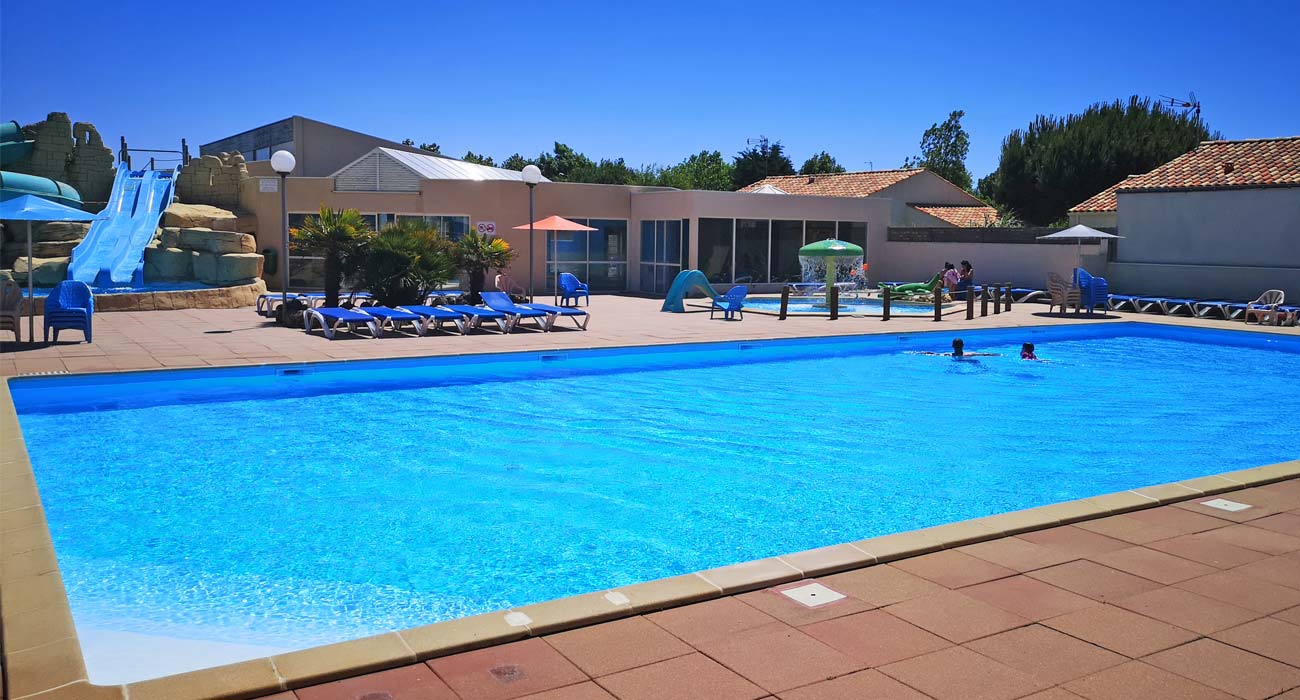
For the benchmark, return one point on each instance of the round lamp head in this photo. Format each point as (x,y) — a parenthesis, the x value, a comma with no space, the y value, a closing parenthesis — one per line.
(282,162)
(532,174)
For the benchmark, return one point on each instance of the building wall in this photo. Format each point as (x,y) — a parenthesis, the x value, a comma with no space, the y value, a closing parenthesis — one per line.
(1021,264)
(923,188)
(1095,219)
(319,148)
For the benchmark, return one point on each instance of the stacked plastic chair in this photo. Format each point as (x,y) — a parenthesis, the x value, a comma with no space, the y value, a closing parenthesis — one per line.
(1093,291)
(69,306)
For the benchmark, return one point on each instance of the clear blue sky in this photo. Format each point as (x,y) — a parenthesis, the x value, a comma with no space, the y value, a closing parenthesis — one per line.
(651,82)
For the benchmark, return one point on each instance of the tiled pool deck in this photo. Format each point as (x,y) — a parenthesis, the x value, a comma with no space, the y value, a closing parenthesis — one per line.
(1144,594)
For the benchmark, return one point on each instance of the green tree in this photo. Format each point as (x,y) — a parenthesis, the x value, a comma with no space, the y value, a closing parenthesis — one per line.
(342,237)
(821,163)
(430,147)
(515,162)
(943,151)
(405,260)
(472,157)
(705,170)
(1057,162)
(565,165)
(763,159)
(477,254)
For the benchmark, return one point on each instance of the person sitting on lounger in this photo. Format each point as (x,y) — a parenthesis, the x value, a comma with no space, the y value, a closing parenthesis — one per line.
(1027,352)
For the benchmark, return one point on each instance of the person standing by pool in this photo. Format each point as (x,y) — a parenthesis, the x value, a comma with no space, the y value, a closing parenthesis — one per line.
(965,276)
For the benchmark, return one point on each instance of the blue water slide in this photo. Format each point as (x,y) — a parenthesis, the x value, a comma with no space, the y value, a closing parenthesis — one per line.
(686,282)
(112,254)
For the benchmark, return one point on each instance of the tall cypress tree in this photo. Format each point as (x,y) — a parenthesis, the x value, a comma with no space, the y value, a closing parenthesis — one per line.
(1057,162)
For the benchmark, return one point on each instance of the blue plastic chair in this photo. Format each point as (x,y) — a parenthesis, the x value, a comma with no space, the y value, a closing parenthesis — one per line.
(1093,291)
(571,288)
(731,303)
(69,306)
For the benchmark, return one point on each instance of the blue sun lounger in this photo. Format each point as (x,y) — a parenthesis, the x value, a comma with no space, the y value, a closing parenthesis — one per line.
(393,319)
(500,301)
(434,317)
(1168,306)
(329,320)
(1207,309)
(580,317)
(475,316)
(1117,302)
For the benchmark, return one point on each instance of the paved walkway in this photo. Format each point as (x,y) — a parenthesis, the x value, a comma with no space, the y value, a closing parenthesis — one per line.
(1179,602)
(215,337)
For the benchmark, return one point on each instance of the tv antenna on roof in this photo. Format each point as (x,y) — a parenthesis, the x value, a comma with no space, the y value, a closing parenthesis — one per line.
(1191,104)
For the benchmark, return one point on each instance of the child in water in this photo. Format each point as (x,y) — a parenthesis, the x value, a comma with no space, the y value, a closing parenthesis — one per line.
(1027,352)
(959,351)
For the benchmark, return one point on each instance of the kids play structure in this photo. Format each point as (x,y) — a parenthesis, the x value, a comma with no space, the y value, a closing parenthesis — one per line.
(686,282)
(112,254)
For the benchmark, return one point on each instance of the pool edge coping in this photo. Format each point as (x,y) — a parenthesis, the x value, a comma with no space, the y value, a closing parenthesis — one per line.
(43,661)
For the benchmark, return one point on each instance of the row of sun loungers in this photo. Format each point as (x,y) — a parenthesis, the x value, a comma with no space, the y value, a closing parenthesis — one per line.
(1227,310)
(423,319)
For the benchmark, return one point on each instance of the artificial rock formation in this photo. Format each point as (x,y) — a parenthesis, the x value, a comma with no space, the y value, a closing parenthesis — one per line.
(71,153)
(200,216)
(212,180)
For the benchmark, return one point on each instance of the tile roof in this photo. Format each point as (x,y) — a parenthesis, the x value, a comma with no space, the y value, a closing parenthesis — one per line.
(1213,165)
(859,184)
(964,217)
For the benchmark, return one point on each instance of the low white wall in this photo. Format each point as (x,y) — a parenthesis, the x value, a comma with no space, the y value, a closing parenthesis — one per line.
(1203,281)
(1021,264)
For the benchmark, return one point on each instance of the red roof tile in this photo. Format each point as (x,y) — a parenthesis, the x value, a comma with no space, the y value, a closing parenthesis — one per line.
(965,217)
(859,184)
(1212,165)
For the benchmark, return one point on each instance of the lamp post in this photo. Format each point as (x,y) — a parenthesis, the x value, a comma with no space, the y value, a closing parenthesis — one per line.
(283,162)
(531,175)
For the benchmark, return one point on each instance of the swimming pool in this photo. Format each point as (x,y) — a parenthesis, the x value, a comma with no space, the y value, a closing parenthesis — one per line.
(271,508)
(848,305)
(141,289)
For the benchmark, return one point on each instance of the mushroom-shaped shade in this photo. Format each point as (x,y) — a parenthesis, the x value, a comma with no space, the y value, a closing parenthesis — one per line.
(830,248)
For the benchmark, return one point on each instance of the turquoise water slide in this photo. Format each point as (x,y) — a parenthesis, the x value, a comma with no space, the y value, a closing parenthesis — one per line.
(112,253)
(686,282)
(14,146)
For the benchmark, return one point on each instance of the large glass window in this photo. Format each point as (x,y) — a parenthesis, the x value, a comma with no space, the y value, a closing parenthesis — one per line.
(751,250)
(598,257)
(715,249)
(662,245)
(818,231)
(787,238)
(854,232)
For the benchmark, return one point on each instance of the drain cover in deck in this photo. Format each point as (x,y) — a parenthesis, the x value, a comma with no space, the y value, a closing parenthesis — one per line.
(812,595)
(1225,504)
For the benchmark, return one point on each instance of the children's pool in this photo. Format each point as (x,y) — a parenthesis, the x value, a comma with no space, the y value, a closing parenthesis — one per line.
(238,511)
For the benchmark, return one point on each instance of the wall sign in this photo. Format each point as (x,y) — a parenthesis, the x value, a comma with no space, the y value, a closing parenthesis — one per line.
(268,184)
(487,228)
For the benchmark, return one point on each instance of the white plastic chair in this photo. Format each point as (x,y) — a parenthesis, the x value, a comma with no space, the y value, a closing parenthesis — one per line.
(1265,306)
(11,308)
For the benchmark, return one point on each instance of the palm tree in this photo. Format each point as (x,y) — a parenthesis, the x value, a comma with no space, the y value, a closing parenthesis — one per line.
(476,254)
(341,235)
(405,260)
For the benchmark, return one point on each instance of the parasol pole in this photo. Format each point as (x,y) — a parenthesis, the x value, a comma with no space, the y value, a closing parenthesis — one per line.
(31,301)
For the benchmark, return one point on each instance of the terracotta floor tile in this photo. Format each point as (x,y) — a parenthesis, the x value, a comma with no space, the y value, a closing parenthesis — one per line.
(1054,694)
(1120,630)
(1289,695)
(1077,541)
(863,685)
(1028,597)
(617,646)
(1045,654)
(881,585)
(507,671)
(1243,591)
(1216,553)
(952,569)
(684,678)
(778,657)
(1187,610)
(1184,522)
(955,616)
(1229,669)
(1292,615)
(1016,554)
(875,638)
(1285,523)
(1152,564)
(1259,509)
(1266,636)
(1138,681)
(1088,578)
(704,622)
(416,682)
(774,603)
(1132,530)
(1258,539)
(957,673)
(581,691)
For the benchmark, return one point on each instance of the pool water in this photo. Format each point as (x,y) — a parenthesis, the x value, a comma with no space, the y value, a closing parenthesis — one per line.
(289,510)
(141,289)
(817,305)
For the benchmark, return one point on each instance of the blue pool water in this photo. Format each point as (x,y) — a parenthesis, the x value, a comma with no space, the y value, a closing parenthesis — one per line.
(141,289)
(296,507)
(817,305)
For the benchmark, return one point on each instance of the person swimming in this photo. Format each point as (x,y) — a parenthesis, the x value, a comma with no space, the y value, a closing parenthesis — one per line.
(959,351)
(1027,352)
